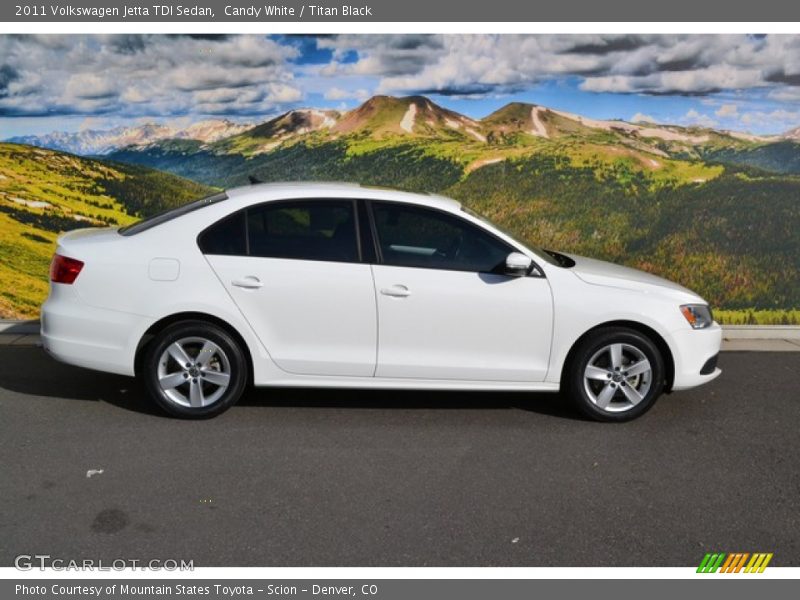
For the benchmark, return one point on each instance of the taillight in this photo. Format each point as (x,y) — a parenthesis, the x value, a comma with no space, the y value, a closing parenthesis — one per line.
(64,269)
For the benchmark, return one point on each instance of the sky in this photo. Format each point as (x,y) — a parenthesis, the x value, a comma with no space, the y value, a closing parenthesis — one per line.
(77,82)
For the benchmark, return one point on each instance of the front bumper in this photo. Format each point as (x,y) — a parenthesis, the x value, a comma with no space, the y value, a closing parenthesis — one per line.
(693,353)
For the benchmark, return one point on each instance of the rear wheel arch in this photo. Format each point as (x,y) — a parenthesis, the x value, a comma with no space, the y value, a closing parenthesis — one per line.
(649,332)
(163,323)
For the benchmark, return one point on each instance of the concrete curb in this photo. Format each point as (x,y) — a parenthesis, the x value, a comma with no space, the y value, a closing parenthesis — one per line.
(735,338)
(761,332)
(8,326)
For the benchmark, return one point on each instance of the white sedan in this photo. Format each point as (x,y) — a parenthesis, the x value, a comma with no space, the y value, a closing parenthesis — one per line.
(336,285)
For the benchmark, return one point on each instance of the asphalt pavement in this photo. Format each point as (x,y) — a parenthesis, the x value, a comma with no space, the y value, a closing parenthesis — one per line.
(88,469)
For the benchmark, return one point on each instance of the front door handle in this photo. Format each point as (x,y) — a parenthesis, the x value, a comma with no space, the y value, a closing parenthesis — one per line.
(249,282)
(396,291)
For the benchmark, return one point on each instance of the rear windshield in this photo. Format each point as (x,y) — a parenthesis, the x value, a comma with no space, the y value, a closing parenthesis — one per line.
(170,214)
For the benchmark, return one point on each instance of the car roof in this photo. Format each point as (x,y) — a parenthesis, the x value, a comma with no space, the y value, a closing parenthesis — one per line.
(336,189)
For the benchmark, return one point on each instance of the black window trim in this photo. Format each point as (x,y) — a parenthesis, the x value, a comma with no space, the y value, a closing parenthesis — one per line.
(535,271)
(372,229)
(246,211)
(170,214)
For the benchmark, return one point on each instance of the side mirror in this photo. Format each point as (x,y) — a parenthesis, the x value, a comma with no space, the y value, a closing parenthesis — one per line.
(518,265)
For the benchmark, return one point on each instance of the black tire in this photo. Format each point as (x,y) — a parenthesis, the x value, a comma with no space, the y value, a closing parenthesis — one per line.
(226,358)
(596,348)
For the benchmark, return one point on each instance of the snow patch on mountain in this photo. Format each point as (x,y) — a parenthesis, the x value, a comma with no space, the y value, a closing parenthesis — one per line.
(327,120)
(651,132)
(407,122)
(104,141)
(538,127)
(478,136)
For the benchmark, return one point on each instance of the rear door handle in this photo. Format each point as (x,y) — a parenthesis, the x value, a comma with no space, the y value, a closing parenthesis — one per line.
(396,291)
(249,282)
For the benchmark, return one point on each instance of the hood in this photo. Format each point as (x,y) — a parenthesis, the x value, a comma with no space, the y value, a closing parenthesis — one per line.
(600,272)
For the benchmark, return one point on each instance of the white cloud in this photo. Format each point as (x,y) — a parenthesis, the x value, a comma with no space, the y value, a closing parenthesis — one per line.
(336,93)
(785,94)
(157,75)
(776,120)
(643,118)
(693,117)
(144,75)
(653,64)
(727,111)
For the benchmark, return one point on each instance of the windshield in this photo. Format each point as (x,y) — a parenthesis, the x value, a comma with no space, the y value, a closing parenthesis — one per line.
(170,214)
(540,252)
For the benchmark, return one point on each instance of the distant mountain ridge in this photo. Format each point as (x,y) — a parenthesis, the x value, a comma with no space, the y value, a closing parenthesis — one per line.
(99,142)
(383,116)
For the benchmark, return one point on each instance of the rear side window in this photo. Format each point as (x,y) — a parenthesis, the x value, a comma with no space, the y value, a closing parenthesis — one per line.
(227,237)
(171,213)
(305,230)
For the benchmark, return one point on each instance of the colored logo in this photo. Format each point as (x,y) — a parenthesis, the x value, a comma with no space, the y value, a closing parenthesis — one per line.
(736,562)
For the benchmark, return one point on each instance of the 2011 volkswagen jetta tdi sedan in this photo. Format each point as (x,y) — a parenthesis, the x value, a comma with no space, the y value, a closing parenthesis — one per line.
(335,285)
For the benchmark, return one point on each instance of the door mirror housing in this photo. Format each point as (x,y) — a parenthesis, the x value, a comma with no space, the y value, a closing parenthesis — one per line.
(518,265)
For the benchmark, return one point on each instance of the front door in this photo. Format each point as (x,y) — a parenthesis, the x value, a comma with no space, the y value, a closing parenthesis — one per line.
(446,310)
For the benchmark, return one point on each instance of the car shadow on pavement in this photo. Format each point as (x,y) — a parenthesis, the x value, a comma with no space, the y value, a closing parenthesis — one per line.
(30,371)
(542,403)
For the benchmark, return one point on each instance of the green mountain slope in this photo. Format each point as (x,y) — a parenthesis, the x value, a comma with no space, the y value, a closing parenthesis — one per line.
(680,202)
(44,192)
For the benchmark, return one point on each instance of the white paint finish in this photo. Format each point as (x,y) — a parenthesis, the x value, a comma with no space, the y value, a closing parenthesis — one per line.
(600,272)
(459,325)
(388,383)
(696,347)
(314,317)
(164,269)
(449,332)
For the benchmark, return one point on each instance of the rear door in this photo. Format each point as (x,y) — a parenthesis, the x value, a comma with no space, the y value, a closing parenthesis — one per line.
(294,270)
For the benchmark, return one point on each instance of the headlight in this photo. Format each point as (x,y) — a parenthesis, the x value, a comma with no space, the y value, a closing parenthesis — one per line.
(698,315)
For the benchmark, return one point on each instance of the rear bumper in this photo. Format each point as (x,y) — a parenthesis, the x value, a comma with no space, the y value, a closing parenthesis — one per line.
(85,336)
(694,351)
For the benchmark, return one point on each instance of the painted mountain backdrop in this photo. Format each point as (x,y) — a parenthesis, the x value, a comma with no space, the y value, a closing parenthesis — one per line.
(718,211)
(99,142)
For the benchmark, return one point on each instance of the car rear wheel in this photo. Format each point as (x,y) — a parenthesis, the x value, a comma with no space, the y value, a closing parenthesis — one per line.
(194,370)
(617,374)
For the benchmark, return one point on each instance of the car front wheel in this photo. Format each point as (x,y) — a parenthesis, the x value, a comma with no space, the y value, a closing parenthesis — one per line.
(616,374)
(194,370)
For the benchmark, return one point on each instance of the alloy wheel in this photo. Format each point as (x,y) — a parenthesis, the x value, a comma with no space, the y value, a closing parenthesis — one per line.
(617,377)
(194,372)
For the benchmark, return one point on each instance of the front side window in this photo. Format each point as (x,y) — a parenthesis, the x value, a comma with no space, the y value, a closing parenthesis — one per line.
(304,230)
(414,236)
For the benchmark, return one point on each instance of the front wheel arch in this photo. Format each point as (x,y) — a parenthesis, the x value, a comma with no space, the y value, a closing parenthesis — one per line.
(161,324)
(649,332)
